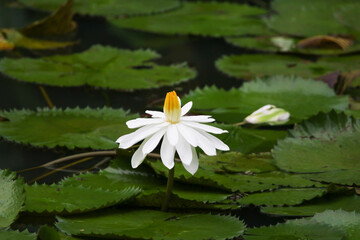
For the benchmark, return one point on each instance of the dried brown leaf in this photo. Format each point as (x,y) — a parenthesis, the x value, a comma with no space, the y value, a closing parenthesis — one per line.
(327,42)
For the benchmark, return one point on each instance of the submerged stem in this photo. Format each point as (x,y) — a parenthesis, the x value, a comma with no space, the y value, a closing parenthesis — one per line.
(46,96)
(169,186)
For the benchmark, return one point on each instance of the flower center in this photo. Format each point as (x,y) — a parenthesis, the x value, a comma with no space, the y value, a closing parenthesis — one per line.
(172,107)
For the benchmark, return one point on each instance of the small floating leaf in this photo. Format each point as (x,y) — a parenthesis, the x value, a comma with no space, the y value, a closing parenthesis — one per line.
(99,66)
(71,128)
(150,224)
(302,98)
(109,8)
(225,19)
(12,198)
(56,199)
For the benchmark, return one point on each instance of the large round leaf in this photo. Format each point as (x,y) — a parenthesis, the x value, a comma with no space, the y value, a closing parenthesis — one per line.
(71,128)
(301,97)
(201,18)
(99,66)
(309,18)
(12,198)
(149,224)
(55,199)
(259,65)
(322,144)
(108,7)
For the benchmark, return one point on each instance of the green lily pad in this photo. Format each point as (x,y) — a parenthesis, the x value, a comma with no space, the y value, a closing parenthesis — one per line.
(269,44)
(70,128)
(49,233)
(246,140)
(346,221)
(343,177)
(230,172)
(99,66)
(302,98)
(12,198)
(11,235)
(107,8)
(298,229)
(56,199)
(285,196)
(260,65)
(329,202)
(201,18)
(120,175)
(149,224)
(310,18)
(324,143)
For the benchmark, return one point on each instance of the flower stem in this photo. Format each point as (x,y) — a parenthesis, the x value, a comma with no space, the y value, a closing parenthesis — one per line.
(169,186)
(46,97)
(240,123)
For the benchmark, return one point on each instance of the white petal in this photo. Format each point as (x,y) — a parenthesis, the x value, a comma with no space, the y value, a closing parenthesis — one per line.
(144,132)
(205,144)
(172,134)
(206,128)
(167,153)
(155,114)
(153,141)
(188,134)
(183,148)
(194,165)
(186,108)
(200,118)
(217,142)
(139,122)
(179,101)
(138,156)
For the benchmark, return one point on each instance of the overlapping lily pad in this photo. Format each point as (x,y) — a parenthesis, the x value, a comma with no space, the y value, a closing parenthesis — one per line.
(236,172)
(246,140)
(259,65)
(152,224)
(12,198)
(99,66)
(310,18)
(110,8)
(56,199)
(325,143)
(201,18)
(70,128)
(285,44)
(11,235)
(285,196)
(120,175)
(329,202)
(301,97)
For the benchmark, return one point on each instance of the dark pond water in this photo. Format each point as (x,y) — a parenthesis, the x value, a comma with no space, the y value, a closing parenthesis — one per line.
(200,53)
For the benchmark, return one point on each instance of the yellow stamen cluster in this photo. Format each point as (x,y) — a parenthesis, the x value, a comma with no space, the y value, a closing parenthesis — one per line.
(172,107)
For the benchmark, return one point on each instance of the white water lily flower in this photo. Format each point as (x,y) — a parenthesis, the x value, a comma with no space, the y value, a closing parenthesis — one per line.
(179,133)
(268,114)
